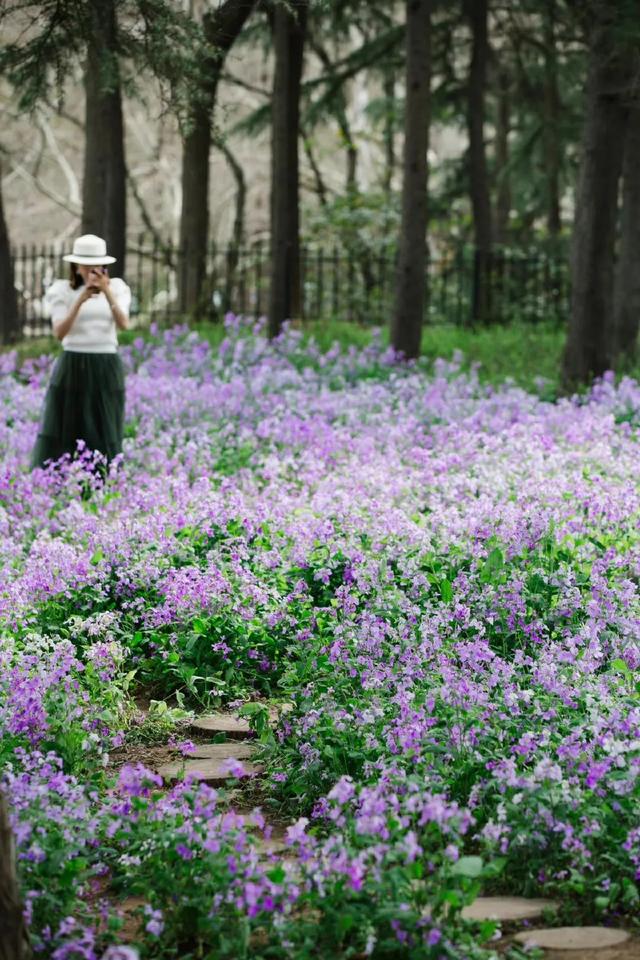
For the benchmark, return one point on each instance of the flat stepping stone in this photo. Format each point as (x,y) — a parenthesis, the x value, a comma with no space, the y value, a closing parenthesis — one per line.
(507,908)
(236,728)
(274,846)
(132,927)
(207,763)
(221,751)
(573,938)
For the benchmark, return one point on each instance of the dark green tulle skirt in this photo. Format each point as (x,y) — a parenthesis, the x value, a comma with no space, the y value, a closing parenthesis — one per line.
(84,401)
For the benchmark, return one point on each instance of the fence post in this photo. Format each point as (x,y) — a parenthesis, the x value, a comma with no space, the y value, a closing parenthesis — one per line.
(154,269)
(319,282)
(335,283)
(481,298)
(303,282)
(258,255)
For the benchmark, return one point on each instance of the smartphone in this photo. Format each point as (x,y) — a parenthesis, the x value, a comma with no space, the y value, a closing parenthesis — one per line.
(97,269)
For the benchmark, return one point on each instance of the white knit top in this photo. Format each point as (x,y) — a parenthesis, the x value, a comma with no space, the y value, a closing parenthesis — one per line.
(94,329)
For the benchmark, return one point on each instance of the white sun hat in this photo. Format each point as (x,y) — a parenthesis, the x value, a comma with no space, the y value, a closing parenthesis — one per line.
(89,250)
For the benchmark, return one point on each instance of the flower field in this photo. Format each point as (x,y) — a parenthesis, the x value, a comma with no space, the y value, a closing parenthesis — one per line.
(440,578)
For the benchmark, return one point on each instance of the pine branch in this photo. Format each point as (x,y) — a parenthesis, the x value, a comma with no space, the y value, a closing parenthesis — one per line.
(366,56)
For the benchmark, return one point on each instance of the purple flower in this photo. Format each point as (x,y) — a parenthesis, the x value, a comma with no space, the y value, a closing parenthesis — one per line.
(233,767)
(296,833)
(136,780)
(155,921)
(121,952)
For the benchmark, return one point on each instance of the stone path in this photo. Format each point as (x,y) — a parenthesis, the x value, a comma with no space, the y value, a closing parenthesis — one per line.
(507,909)
(236,728)
(582,943)
(207,763)
(558,943)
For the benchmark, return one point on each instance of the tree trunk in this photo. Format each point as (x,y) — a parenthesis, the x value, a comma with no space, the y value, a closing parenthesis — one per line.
(406,324)
(551,123)
(590,342)
(389,86)
(14,941)
(289,28)
(503,126)
(194,215)
(9,317)
(104,189)
(627,289)
(477,14)
(222,27)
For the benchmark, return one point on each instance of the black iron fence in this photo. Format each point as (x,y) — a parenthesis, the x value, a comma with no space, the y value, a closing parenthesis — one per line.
(355,285)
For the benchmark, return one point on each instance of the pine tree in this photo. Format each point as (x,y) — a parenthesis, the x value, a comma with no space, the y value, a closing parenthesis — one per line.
(289,25)
(406,326)
(221,28)
(115,40)
(9,318)
(590,344)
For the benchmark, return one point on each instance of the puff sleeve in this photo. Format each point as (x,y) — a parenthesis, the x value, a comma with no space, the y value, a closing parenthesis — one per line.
(122,294)
(58,300)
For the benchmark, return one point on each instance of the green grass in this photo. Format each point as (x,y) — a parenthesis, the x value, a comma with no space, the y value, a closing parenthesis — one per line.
(522,352)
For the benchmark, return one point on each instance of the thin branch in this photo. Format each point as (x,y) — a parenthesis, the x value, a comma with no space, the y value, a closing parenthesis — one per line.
(45,191)
(321,187)
(241,193)
(167,253)
(63,163)
(230,78)
(61,112)
(40,154)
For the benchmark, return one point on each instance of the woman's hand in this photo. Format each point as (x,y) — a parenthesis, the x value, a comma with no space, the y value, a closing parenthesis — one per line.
(87,293)
(98,280)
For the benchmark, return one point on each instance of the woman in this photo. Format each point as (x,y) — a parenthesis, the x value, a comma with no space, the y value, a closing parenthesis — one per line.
(85,399)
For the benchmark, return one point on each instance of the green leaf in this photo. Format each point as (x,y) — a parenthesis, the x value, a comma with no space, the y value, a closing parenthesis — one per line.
(446,591)
(345,922)
(495,867)
(492,565)
(97,557)
(276,875)
(250,709)
(487,929)
(453,898)
(621,667)
(468,867)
